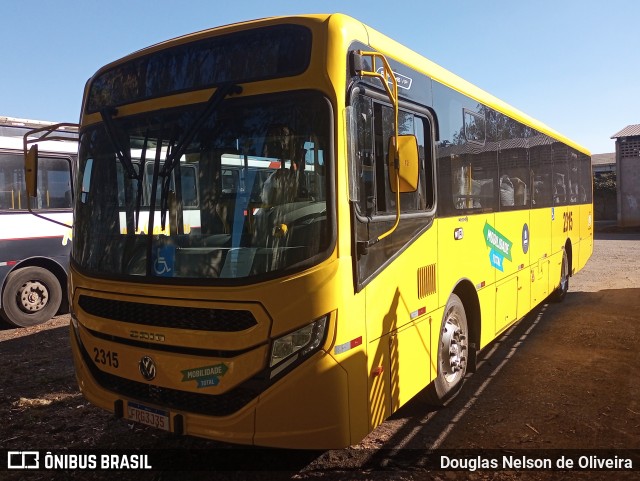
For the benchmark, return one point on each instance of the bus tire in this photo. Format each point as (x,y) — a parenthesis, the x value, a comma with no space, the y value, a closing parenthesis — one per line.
(31,295)
(561,291)
(453,349)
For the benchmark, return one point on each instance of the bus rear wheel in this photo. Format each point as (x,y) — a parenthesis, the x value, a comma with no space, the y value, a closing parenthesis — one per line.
(453,353)
(561,291)
(32,295)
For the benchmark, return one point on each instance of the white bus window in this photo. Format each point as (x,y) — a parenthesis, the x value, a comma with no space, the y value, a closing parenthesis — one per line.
(54,184)
(12,187)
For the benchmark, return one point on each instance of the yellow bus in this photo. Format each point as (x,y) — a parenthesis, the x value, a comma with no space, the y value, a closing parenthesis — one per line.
(287,228)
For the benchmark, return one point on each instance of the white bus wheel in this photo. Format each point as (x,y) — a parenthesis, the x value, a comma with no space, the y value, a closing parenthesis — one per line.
(31,295)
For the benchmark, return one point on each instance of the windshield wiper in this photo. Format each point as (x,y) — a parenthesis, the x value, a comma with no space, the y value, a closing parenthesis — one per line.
(222,92)
(176,150)
(123,155)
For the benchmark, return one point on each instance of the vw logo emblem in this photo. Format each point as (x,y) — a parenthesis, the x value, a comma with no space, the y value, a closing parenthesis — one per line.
(147,368)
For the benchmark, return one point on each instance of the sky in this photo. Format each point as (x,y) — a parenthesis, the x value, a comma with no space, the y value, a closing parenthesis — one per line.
(572,64)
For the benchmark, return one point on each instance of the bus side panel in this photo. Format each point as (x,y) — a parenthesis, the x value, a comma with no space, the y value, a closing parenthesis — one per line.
(465,254)
(559,231)
(462,244)
(4,272)
(411,346)
(574,222)
(487,301)
(349,349)
(513,280)
(399,304)
(539,252)
(567,225)
(586,237)
(13,251)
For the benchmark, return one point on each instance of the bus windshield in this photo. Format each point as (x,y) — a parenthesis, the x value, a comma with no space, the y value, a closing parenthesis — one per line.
(246,197)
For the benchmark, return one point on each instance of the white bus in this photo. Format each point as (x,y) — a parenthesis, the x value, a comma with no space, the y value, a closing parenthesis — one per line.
(34,253)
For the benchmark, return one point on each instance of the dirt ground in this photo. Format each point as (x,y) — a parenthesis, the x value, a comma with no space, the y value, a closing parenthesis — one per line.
(565,378)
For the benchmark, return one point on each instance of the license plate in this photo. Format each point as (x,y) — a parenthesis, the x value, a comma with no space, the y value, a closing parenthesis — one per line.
(155,418)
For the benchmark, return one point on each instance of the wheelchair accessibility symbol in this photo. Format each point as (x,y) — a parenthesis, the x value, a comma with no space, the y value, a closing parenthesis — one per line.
(163,262)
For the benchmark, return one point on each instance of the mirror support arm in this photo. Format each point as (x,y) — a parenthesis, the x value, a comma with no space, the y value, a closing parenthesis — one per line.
(32,138)
(387,76)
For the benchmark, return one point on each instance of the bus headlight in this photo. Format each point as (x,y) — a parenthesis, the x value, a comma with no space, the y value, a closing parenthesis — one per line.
(297,345)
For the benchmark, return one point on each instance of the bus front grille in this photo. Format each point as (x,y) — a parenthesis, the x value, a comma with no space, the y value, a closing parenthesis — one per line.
(176,317)
(197,403)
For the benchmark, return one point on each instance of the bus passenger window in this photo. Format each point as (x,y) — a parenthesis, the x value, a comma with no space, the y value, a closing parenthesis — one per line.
(473,182)
(54,184)
(541,165)
(514,175)
(12,186)
(586,181)
(561,191)
(573,181)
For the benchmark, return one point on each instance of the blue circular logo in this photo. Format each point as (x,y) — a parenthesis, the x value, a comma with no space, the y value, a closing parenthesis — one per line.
(525,238)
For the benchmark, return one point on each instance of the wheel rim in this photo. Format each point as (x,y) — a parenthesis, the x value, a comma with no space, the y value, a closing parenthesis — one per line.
(454,349)
(33,296)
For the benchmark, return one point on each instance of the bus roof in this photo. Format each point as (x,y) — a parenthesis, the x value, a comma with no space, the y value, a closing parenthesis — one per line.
(24,123)
(416,61)
(12,131)
(382,43)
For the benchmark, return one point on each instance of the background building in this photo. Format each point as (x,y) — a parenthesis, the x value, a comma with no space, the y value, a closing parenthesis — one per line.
(605,196)
(628,175)
(603,163)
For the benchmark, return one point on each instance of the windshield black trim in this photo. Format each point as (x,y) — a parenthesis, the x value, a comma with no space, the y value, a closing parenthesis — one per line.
(128,81)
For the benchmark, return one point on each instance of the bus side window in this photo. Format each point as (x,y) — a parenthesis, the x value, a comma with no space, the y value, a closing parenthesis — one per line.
(541,165)
(514,177)
(59,183)
(363,168)
(561,192)
(586,180)
(374,124)
(54,184)
(574,178)
(473,181)
(12,186)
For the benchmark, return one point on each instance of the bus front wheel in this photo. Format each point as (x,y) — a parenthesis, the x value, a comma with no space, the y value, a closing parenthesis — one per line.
(453,354)
(31,295)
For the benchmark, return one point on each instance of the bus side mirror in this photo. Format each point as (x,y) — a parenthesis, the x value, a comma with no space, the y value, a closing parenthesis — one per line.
(31,171)
(408,163)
